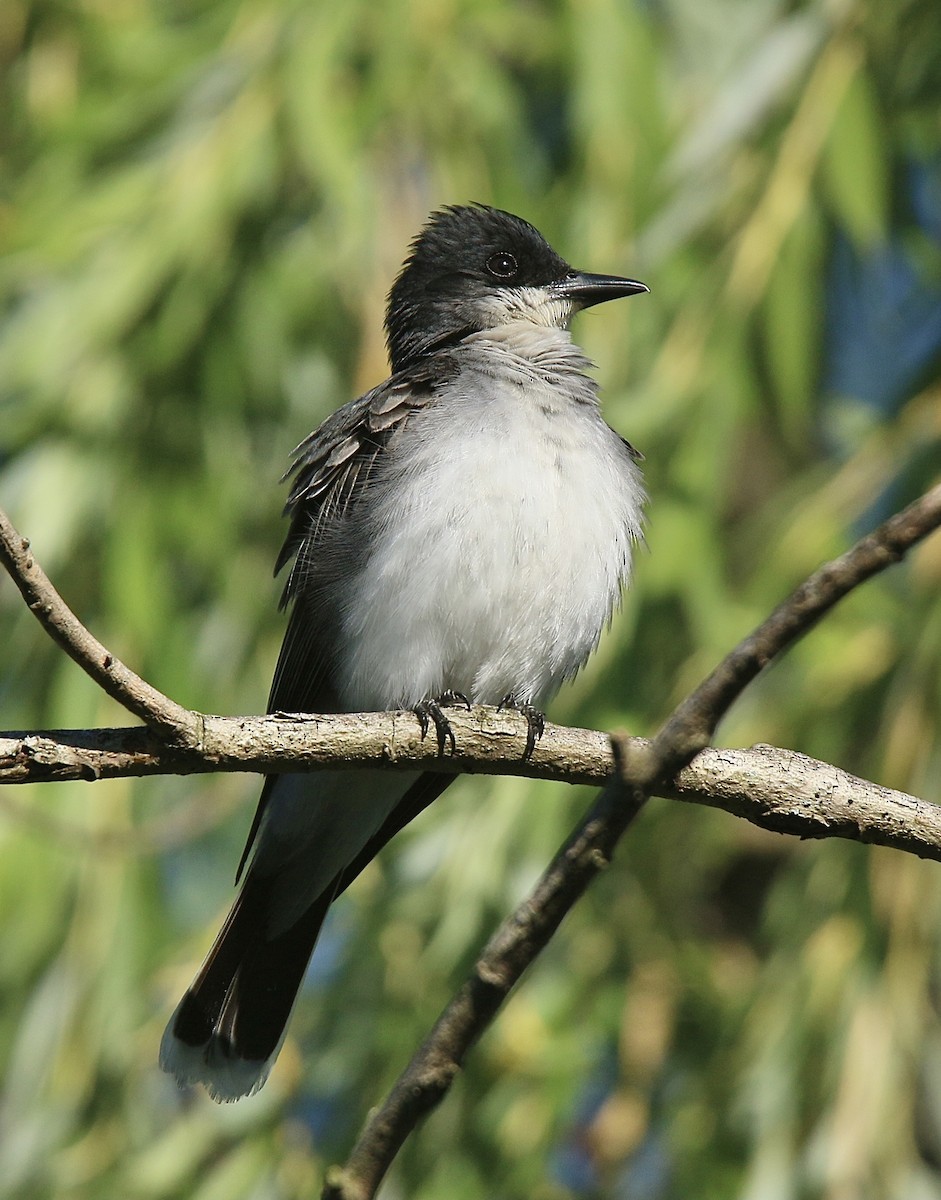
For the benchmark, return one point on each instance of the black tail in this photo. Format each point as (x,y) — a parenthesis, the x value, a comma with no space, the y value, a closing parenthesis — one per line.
(228,1027)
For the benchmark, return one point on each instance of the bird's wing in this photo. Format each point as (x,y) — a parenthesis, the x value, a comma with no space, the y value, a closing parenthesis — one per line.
(330,472)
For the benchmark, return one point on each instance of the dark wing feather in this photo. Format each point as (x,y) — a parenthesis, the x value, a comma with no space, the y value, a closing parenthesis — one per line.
(424,791)
(634,453)
(330,471)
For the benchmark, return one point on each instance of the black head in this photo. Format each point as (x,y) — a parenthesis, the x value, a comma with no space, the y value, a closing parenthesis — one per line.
(474,268)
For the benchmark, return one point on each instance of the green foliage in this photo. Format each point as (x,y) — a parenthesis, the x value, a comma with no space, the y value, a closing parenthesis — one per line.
(201,207)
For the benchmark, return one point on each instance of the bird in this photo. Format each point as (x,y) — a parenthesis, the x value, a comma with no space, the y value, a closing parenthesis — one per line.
(460,534)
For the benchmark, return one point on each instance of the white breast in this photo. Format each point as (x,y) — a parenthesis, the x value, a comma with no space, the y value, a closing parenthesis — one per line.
(503,525)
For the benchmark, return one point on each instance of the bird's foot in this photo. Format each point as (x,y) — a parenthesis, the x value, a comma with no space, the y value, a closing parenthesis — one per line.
(429,712)
(535,721)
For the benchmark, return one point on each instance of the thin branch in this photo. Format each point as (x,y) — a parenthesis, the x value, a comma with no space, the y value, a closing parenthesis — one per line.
(174,722)
(692,725)
(775,789)
(787,792)
(429,1074)
(488,741)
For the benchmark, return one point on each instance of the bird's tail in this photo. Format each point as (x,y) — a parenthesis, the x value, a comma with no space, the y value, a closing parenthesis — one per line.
(228,1028)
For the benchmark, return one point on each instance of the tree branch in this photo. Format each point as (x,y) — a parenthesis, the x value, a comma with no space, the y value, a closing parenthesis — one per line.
(489,740)
(692,725)
(775,789)
(177,724)
(640,768)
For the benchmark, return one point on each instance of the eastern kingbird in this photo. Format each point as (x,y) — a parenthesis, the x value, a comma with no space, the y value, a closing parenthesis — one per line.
(461,532)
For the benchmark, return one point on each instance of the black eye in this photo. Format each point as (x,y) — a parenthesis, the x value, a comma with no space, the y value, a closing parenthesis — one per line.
(502,265)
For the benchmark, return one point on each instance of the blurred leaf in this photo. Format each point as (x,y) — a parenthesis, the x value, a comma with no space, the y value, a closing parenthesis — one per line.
(793,328)
(856,164)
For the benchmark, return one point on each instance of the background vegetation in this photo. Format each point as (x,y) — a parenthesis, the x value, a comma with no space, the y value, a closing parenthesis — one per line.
(202,205)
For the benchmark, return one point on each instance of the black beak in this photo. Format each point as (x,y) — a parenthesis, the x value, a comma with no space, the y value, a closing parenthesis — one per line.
(585,290)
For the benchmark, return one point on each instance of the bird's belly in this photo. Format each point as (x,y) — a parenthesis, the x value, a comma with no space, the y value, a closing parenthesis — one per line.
(494,569)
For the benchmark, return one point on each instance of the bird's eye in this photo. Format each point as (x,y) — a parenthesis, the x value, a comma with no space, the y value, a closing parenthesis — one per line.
(502,265)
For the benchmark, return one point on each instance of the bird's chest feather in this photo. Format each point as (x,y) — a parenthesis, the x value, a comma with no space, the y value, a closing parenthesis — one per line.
(503,521)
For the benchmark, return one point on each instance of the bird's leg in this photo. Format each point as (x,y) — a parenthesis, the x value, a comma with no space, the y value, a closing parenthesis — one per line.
(430,712)
(535,721)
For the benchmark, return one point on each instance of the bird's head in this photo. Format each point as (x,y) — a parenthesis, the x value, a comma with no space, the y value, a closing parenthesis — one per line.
(474,268)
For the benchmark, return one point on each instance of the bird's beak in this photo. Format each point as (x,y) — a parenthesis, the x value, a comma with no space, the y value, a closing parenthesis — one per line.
(584,290)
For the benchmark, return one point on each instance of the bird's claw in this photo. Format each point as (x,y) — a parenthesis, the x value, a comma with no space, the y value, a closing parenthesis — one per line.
(430,712)
(535,721)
